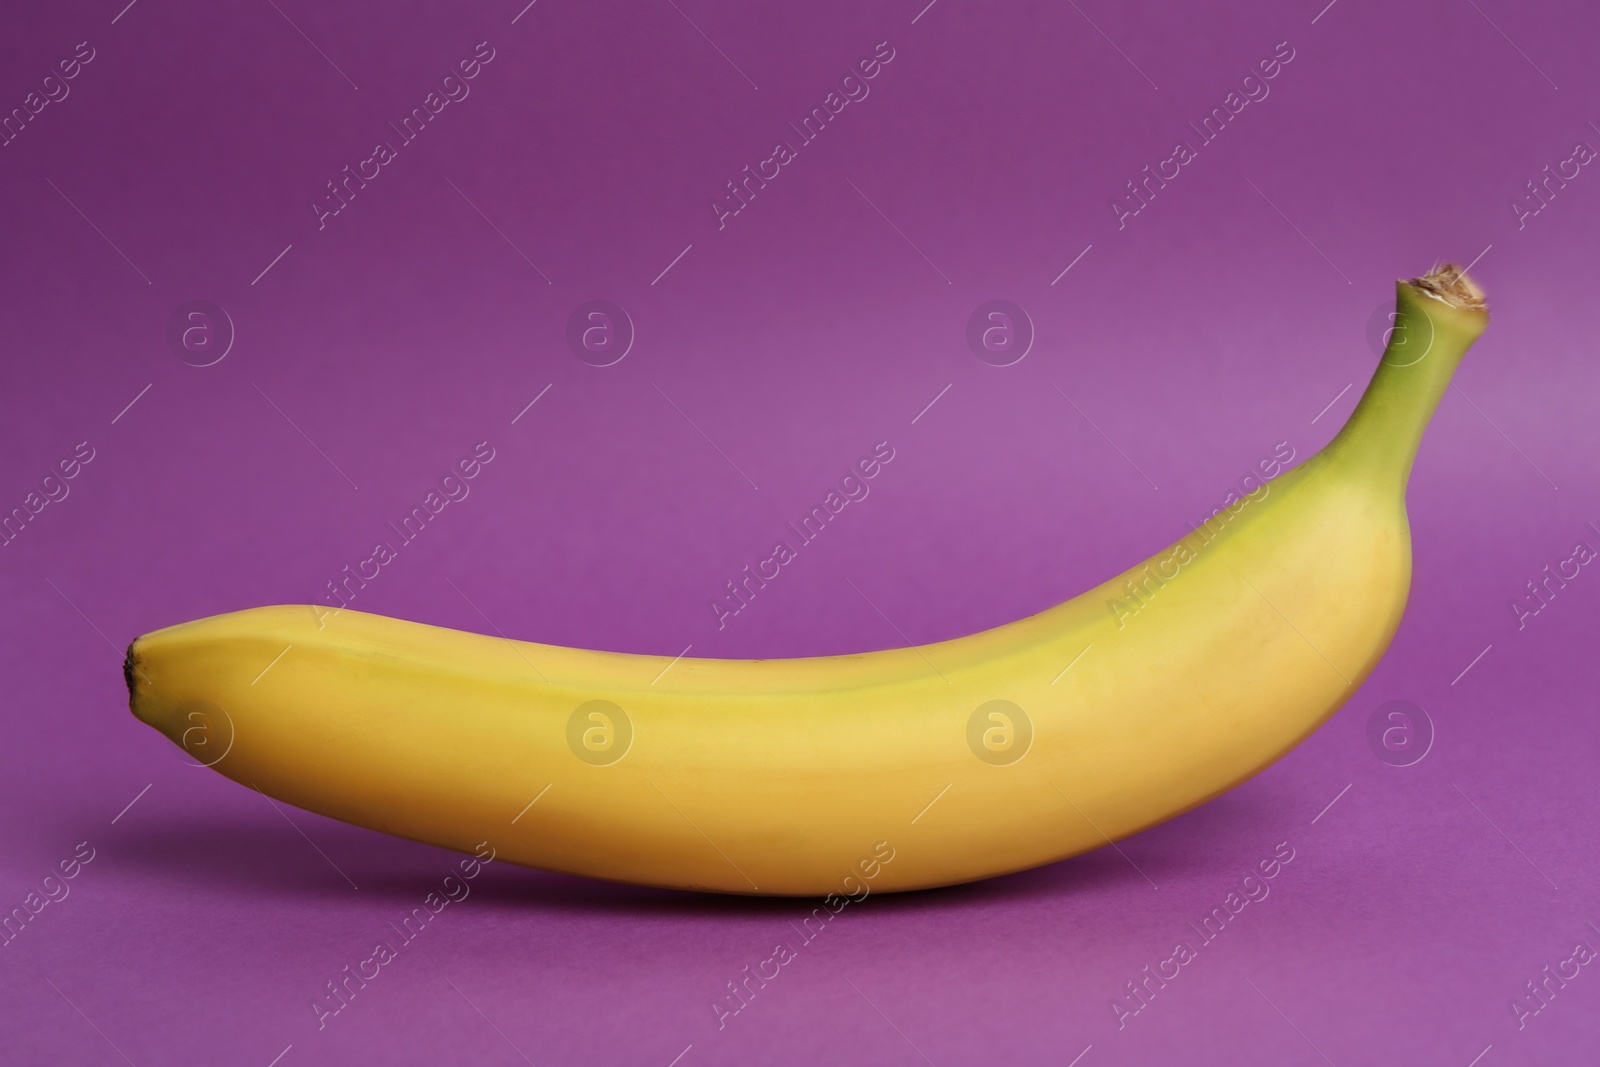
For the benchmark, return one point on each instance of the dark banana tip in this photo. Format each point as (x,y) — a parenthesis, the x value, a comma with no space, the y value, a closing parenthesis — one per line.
(129,666)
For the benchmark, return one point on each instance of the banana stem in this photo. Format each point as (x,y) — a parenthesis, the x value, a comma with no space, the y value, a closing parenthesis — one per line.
(1437,317)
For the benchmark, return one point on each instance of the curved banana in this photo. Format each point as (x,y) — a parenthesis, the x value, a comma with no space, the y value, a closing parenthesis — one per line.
(908,768)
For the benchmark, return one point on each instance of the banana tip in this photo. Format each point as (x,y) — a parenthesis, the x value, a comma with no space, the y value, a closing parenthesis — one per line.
(1449,283)
(129,666)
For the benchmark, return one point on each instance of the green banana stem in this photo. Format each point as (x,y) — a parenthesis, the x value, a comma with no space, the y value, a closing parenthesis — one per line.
(1437,317)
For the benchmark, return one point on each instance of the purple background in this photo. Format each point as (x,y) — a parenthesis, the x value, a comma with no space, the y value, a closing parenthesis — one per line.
(1219,321)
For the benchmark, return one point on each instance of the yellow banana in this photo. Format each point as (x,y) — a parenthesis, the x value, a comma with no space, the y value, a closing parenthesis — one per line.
(912,767)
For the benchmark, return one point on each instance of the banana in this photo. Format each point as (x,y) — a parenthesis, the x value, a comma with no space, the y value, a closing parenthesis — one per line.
(906,768)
